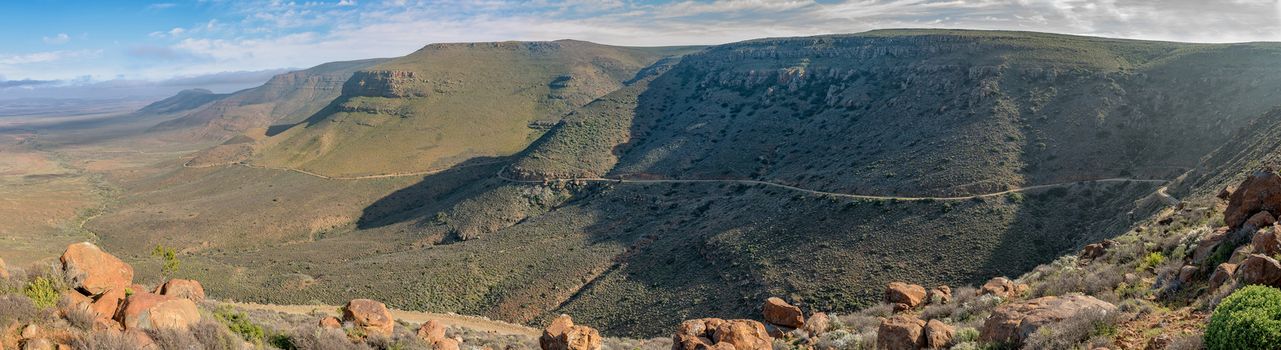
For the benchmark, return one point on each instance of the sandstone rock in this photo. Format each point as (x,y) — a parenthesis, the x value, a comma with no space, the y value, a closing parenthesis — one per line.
(1260,269)
(562,334)
(330,323)
(107,305)
(1096,250)
(93,271)
(909,295)
(1260,191)
(4,270)
(431,331)
(1222,274)
(144,310)
(1187,273)
(370,316)
(941,294)
(186,289)
(1013,323)
(818,323)
(695,334)
(743,335)
(901,332)
(1266,241)
(938,335)
(1003,287)
(1261,219)
(781,313)
(31,331)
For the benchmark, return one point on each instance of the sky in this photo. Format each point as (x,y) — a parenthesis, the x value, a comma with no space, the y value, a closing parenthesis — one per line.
(99,48)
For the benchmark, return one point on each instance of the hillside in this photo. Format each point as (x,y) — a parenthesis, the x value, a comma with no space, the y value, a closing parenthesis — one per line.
(427,110)
(743,164)
(285,99)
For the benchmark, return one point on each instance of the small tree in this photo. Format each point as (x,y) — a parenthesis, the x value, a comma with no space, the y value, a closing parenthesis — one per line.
(169,260)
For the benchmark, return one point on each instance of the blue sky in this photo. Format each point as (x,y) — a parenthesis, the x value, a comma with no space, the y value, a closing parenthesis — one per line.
(47,43)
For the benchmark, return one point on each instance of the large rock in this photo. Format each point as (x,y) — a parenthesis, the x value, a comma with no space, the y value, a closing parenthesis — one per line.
(1260,191)
(1260,220)
(1260,269)
(743,335)
(1222,273)
(818,323)
(330,322)
(370,316)
(901,332)
(696,334)
(1207,245)
(1266,241)
(938,335)
(186,289)
(904,296)
(1003,287)
(4,270)
(446,344)
(431,331)
(779,312)
(93,271)
(1013,323)
(107,305)
(144,310)
(562,334)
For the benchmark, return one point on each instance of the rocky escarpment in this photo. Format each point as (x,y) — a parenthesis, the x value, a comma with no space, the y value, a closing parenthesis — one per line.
(386,83)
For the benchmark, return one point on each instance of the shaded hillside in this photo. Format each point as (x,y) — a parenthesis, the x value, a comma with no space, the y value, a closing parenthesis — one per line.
(931,112)
(433,108)
(184,100)
(286,98)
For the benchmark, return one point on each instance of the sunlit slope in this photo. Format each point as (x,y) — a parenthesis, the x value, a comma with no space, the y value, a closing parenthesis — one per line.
(450,102)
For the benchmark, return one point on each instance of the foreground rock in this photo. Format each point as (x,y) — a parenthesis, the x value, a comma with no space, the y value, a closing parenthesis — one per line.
(780,313)
(715,333)
(1013,323)
(1003,287)
(904,296)
(144,310)
(1260,192)
(4,270)
(93,271)
(938,335)
(370,316)
(901,332)
(1260,269)
(941,295)
(1222,273)
(562,334)
(818,323)
(1266,241)
(186,289)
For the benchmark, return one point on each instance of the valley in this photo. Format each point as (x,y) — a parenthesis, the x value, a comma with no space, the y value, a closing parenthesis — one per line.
(638,187)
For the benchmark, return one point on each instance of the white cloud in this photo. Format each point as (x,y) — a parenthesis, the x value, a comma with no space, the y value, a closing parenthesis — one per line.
(61,38)
(47,56)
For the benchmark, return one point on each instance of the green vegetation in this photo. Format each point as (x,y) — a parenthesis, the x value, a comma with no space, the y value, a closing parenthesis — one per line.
(1150,261)
(169,262)
(1250,318)
(42,291)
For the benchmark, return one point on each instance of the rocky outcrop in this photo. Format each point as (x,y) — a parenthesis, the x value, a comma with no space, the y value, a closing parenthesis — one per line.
(715,333)
(941,295)
(901,332)
(186,289)
(1003,287)
(93,271)
(144,310)
(384,83)
(780,313)
(1260,192)
(1207,245)
(370,316)
(433,332)
(562,334)
(818,323)
(1260,220)
(904,296)
(1013,323)
(4,270)
(1260,269)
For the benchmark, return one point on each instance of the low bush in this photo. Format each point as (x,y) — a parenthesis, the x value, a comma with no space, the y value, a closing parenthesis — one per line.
(42,291)
(1250,318)
(1068,333)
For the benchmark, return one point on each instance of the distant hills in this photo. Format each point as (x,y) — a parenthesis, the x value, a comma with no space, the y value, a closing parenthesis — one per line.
(511,228)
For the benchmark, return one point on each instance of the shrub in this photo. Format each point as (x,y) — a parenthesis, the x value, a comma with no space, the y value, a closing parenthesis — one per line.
(168,258)
(42,292)
(17,308)
(1068,333)
(1150,261)
(239,323)
(1250,318)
